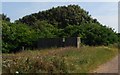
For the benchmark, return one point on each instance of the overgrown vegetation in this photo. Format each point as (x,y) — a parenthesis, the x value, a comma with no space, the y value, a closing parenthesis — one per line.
(62,21)
(59,60)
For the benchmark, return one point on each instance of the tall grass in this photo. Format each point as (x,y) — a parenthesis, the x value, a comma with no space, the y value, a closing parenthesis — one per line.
(61,60)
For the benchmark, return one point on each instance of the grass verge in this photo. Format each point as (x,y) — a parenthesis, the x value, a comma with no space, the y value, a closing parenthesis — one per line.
(58,60)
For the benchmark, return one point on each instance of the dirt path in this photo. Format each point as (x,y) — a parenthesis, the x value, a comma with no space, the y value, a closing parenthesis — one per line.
(109,67)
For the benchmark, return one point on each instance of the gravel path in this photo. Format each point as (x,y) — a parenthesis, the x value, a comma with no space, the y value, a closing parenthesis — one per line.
(109,67)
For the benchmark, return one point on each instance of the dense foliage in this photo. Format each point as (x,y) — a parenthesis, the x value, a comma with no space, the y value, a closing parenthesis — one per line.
(62,21)
(60,17)
(16,35)
(92,34)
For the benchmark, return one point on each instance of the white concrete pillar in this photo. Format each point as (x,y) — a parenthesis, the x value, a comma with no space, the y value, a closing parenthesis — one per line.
(78,42)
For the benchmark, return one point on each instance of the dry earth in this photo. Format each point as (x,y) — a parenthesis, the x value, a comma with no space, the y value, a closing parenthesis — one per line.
(109,67)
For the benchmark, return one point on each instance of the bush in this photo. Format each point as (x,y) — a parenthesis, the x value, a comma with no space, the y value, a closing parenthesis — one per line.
(36,65)
(15,36)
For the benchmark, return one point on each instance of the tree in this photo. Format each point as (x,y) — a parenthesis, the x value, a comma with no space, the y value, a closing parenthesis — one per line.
(4,17)
(45,30)
(16,35)
(62,21)
(92,34)
(71,21)
(96,34)
(60,16)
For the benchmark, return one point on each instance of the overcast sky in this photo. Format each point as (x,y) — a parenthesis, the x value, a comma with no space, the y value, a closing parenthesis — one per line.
(105,12)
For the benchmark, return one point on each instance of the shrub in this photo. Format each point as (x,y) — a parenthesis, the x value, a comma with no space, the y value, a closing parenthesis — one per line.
(15,36)
(34,65)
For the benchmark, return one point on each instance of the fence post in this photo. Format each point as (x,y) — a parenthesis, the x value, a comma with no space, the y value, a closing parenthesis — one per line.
(23,48)
(78,42)
(63,42)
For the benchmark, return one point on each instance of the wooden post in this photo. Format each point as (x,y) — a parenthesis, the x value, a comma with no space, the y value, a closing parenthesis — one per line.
(78,42)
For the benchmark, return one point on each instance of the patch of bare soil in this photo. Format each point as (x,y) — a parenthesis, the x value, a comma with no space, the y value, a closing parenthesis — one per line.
(109,67)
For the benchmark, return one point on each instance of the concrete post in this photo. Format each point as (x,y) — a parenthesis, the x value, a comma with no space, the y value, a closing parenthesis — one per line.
(23,48)
(63,42)
(78,42)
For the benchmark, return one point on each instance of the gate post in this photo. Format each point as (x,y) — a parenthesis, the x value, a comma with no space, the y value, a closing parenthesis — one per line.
(78,42)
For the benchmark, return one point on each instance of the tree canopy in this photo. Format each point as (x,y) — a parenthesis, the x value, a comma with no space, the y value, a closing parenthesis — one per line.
(61,16)
(62,21)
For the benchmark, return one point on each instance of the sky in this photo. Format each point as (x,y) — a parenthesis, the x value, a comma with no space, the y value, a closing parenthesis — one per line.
(105,12)
(59,0)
